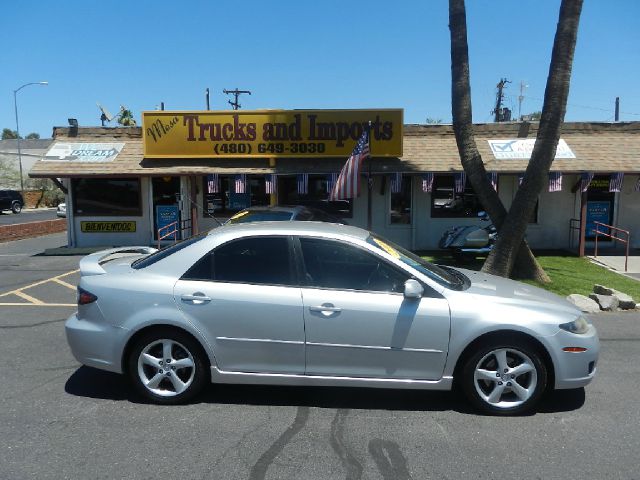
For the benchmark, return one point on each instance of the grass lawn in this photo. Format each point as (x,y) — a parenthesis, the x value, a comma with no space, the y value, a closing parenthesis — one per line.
(569,274)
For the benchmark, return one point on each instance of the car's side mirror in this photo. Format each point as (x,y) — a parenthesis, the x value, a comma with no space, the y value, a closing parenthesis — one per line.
(413,289)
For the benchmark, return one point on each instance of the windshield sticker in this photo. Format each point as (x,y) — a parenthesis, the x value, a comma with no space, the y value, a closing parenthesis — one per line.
(387,248)
(239,214)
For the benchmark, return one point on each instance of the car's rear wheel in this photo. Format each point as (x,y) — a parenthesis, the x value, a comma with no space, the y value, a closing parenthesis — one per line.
(505,378)
(167,366)
(16,207)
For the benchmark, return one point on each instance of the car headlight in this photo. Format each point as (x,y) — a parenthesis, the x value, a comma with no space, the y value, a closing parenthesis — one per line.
(578,326)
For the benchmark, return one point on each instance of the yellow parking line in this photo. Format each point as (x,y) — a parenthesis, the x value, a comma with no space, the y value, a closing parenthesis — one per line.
(63,283)
(29,298)
(38,305)
(57,277)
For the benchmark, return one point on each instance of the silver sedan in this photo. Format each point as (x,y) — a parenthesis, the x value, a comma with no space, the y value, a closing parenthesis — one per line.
(307,303)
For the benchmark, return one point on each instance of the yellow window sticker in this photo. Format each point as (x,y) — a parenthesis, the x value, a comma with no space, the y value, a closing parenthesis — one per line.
(239,214)
(387,248)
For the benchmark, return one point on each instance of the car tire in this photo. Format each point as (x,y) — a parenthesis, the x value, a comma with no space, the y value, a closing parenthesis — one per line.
(167,366)
(16,207)
(505,377)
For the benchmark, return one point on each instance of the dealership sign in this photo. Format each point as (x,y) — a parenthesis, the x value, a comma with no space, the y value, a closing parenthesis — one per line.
(521,148)
(269,133)
(83,152)
(107,227)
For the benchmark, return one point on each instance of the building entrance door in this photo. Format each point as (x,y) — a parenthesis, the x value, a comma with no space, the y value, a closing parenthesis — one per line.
(166,206)
(600,206)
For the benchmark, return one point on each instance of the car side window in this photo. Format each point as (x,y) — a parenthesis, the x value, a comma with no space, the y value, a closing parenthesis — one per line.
(255,260)
(331,264)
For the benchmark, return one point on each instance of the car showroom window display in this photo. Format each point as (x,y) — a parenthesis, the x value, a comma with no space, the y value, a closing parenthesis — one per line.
(311,303)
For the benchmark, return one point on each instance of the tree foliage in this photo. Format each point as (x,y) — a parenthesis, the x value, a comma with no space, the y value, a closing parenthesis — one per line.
(125,117)
(8,134)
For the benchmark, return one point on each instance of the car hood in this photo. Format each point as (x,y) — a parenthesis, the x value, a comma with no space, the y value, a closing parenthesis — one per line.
(512,292)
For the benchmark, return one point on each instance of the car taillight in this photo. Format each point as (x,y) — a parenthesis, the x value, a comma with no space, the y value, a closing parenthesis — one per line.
(85,297)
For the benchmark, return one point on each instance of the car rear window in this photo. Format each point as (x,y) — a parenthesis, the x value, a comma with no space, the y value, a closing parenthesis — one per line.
(167,251)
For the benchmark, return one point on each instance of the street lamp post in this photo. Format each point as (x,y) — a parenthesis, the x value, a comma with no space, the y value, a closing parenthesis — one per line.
(15,105)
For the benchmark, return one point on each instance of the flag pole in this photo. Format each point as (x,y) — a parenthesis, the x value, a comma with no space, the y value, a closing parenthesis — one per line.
(369,180)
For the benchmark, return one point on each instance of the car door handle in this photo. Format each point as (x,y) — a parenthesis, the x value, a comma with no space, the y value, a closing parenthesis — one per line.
(325,309)
(197,298)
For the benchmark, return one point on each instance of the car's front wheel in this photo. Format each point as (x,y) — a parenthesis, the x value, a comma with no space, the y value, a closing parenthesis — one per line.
(16,207)
(505,377)
(167,366)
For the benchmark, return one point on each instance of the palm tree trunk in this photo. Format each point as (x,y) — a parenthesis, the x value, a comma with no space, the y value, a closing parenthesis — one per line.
(502,258)
(470,157)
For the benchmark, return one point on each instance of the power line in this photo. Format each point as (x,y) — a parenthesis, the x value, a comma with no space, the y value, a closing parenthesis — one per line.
(575,105)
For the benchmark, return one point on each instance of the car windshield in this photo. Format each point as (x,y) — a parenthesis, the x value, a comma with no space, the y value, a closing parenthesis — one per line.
(260,216)
(447,277)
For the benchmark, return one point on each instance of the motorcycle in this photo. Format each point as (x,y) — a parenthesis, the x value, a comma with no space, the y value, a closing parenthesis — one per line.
(466,242)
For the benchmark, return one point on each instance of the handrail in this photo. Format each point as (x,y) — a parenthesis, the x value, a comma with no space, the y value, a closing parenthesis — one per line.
(627,241)
(185,225)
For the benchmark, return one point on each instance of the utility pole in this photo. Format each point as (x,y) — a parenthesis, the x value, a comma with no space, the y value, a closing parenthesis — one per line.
(521,98)
(236,93)
(617,115)
(498,113)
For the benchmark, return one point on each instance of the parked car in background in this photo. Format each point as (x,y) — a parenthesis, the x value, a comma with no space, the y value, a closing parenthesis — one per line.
(11,200)
(61,211)
(283,213)
(310,303)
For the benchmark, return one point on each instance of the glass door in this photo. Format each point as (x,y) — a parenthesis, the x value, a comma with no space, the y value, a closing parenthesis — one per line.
(166,207)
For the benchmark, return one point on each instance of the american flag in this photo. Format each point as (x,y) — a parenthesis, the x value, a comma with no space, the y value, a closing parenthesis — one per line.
(240,184)
(585,180)
(427,182)
(493,178)
(636,188)
(213,183)
(555,181)
(332,178)
(615,182)
(270,184)
(460,181)
(348,184)
(396,183)
(303,183)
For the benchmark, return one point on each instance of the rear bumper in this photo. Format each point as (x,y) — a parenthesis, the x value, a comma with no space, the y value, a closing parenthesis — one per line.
(95,344)
(575,369)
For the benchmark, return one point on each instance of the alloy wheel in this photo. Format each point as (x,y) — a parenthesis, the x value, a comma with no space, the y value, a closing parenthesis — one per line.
(505,378)
(166,368)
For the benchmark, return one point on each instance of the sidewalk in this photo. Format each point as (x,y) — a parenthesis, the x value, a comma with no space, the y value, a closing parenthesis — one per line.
(615,263)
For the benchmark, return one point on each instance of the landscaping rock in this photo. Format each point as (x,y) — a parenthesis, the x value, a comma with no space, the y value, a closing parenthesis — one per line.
(602,290)
(585,304)
(608,303)
(625,302)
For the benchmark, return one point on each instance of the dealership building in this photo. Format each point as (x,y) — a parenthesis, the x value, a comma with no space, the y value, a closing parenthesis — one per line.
(192,170)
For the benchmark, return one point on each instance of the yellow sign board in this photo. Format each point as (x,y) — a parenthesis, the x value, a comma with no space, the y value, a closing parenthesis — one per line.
(108,227)
(269,133)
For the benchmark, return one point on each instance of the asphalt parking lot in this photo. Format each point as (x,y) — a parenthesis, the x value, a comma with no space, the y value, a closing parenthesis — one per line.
(62,420)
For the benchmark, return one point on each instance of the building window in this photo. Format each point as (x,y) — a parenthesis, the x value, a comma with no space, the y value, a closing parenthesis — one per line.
(226,201)
(446,203)
(317,195)
(106,197)
(400,207)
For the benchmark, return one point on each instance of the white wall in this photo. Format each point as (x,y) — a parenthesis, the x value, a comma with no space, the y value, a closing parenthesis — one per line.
(628,211)
(142,235)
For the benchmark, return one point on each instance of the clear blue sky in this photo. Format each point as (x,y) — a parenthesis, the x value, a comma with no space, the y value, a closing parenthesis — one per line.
(302,54)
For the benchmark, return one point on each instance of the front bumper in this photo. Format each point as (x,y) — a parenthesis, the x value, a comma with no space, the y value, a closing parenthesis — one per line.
(575,369)
(95,344)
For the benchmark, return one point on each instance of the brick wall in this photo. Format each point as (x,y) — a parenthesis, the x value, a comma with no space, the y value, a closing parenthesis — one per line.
(31,229)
